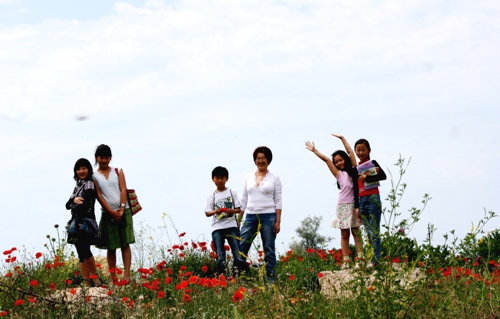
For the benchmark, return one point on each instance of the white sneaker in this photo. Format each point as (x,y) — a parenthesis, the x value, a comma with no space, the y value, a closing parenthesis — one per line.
(345,265)
(371,265)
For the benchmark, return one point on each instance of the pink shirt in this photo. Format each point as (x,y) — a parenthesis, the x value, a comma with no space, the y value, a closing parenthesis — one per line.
(346,194)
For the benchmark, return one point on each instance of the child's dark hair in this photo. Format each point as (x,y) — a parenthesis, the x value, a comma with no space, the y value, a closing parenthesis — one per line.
(363,141)
(264,150)
(347,159)
(102,150)
(347,166)
(220,171)
(85,163)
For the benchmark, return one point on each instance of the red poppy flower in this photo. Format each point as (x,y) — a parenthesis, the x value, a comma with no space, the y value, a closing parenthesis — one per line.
(182,268)
(292,277)
(168,280)
(238,295)
(52,286)
(160,295)
(204,268)
(38,255)
(186,298)
(182,234)
(72,291)
(68,281)
(33,283)
(19,302)
(320,275)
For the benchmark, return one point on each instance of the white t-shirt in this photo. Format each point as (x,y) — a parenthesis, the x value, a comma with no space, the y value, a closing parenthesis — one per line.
(263,199)
(228,199)
(110,188)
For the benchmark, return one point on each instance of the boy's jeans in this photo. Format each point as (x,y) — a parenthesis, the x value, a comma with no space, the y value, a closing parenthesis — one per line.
(370,209)
(249,231)
(231,235)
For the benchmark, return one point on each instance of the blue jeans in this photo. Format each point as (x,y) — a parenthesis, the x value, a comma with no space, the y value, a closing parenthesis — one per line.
(370,209)
(249,232)
(231,235)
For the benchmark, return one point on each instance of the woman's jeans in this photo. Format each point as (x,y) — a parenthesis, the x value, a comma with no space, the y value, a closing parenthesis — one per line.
(249,232)
(219,237)
(370,209)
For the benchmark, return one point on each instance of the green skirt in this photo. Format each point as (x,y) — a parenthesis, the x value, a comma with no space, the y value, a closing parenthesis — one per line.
(116,234)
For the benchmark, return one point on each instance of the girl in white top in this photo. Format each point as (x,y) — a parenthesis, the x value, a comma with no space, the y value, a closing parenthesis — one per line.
(116,228)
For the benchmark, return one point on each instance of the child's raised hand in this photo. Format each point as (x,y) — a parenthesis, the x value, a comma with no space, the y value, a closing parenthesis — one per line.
(338,136)
(310,146)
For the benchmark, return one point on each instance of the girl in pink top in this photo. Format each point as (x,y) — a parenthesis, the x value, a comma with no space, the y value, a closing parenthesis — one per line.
(342,166)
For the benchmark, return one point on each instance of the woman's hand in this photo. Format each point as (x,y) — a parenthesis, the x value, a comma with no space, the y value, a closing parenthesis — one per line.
(338,136)
(310,146)
(78,200)
(277,227)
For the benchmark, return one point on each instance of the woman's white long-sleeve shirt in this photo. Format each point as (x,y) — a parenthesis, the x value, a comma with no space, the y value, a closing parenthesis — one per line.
(262,199)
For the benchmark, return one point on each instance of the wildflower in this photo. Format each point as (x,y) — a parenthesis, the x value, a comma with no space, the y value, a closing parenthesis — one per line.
(52,286)
(182,234)
(19,302)
(204,268)
(168,280)
(125,299)
(93,276)
(182,268)
(38,255)
(3,313)
(193,279)
(9,275)
(33,283)
(72,291)
(76,272)
(110,292)
(181,255)
(182,285)
(56,226)
(320,275)
(371,288)
(291,277)
(88,298)
(237,296)
(186,298)
(396,260)
(11,260)
(68,281)
(160,295)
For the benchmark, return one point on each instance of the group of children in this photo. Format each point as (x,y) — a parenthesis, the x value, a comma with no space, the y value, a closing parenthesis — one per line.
(359,198)
(115,231)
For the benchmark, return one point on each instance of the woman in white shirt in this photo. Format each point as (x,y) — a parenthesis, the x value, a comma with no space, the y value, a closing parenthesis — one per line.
(261,200)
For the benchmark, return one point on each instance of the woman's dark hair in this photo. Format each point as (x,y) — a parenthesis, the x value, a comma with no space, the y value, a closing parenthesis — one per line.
(220,171)
(363,141)
(85,163)
(102,150)
(264,150)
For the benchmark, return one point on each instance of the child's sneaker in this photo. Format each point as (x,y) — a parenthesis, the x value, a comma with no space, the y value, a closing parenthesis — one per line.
(371,265)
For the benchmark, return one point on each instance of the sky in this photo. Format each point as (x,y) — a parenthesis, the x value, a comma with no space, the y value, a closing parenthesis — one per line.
(176,88)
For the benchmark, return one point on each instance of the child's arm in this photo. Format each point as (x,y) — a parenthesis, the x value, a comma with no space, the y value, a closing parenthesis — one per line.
(323,157)
(348,149)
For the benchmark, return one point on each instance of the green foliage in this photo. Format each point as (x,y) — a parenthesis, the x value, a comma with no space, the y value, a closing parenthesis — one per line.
(308,233)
